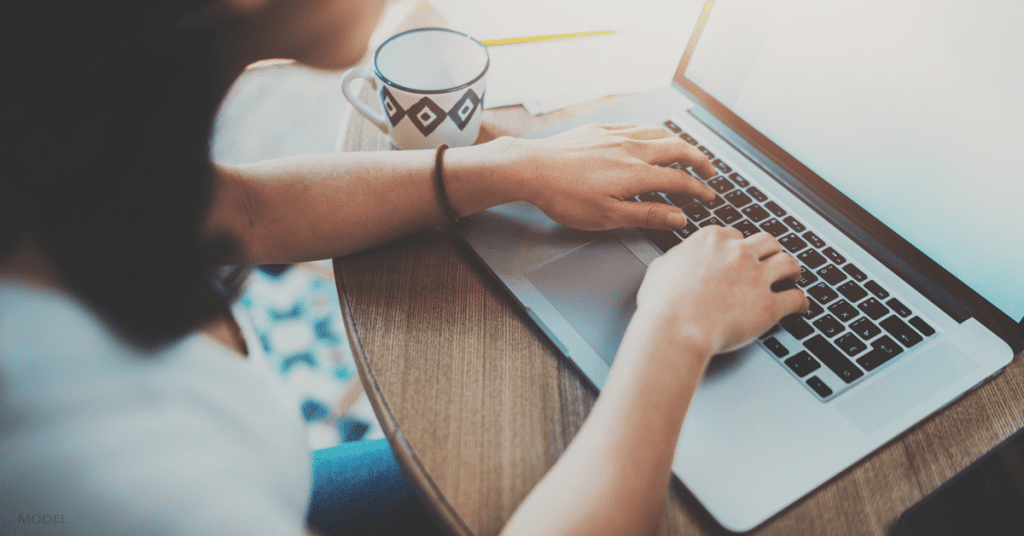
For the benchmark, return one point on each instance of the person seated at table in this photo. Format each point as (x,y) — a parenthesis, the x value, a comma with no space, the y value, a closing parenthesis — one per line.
(132,402)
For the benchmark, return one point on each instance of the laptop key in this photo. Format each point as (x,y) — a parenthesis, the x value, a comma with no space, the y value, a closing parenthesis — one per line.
(843,310)
(829,325)
(663,239)
(797,326)
(832,275)
(834,256)
(901,331)
(852,291)
(775,227)
(708,153)
(850,344)
(739,180)
(748,229)
(794,224)
(814,240)
(775,209)
(811,259)
(802,364)
(722,166)
(714,203)
(728,215)
(822,293)
(776,347)
(695,212)
(855,273)
(756,213)
(711,221)
(898,306)
(922,326)
(687,232)
(814,310)
(832,358)
(757,194)
(674,128)
(819,387)
(876,289)
(807,277)
(882,350)
(864,328)
(873,308)
(689,139)
(792,243)
(738,198)
(720,184)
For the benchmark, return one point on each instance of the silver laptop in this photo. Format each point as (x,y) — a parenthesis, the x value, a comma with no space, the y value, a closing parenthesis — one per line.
(880,142)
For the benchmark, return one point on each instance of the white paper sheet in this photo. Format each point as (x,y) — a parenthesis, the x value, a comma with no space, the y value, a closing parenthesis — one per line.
(649,39)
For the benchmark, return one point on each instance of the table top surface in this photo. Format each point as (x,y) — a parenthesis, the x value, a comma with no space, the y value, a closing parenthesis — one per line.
(477,404)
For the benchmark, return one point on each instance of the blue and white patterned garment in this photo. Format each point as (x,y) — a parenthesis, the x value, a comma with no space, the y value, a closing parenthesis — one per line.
(297,317)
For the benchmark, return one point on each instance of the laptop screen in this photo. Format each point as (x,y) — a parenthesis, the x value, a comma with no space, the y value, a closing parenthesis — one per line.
(914,109)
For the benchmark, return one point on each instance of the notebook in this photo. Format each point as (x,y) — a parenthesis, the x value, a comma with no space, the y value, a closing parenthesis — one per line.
(878,142)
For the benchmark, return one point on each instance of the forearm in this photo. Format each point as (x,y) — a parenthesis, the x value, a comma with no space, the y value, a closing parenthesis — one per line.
(322,206)
(613,477)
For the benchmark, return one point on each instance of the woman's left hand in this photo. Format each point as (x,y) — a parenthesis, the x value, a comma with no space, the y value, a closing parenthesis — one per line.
(586,178)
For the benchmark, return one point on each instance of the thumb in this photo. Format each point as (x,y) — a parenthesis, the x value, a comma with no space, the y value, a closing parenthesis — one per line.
(648,215)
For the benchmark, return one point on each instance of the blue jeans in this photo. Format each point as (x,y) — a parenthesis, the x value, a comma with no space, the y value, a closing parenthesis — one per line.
(358,488)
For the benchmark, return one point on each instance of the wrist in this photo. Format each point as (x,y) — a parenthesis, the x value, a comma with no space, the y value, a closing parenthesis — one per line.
(480,176)
(664,334)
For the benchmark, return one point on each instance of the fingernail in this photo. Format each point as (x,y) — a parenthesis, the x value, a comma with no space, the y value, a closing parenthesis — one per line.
(676,220)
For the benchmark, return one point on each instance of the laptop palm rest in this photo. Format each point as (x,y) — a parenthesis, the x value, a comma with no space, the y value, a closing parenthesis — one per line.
(892,395)
(594,288)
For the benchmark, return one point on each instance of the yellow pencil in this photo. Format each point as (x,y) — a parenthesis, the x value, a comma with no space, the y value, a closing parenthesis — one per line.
(531,39)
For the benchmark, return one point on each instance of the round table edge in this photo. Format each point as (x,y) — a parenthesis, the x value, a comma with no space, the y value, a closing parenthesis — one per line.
(414,470)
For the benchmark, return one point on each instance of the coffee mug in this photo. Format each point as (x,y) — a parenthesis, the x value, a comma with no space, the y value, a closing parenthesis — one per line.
(431,83)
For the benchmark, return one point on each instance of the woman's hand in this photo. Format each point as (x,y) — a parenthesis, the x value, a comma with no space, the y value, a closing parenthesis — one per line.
(586,178)
(716,287)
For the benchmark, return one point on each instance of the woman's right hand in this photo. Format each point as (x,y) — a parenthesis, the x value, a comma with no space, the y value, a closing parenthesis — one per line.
(717,287)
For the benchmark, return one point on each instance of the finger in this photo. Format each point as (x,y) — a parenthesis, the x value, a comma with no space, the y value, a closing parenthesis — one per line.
(648,132)
(665,150)
(782,267)
(616,126)
(647,215)
(674,181)
(790,302)
(764,245)
(703,167)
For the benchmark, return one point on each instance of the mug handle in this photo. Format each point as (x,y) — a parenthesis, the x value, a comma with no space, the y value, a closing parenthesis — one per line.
(350,76)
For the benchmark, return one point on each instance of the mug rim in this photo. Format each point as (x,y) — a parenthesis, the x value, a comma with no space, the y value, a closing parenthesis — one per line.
(376,69)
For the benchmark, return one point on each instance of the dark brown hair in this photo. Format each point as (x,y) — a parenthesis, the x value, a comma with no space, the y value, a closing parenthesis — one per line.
(105,118)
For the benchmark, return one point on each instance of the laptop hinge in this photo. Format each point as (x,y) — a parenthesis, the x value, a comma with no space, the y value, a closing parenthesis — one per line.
(916,278)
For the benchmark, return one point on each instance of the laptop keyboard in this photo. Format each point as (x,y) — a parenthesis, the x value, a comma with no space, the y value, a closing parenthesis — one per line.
(854,325)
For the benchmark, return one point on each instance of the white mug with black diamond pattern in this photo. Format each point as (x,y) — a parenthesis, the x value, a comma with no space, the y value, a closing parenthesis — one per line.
(431,84)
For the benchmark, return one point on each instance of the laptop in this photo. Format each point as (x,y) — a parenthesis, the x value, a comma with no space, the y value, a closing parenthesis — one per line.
(879,141)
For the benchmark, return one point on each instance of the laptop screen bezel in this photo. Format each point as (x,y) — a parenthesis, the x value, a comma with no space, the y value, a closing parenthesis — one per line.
(927,276)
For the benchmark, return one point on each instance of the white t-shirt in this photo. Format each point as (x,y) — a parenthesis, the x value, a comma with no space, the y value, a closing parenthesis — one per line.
(98,437)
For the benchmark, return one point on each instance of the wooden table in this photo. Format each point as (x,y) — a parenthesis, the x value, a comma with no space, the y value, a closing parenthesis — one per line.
(477,405)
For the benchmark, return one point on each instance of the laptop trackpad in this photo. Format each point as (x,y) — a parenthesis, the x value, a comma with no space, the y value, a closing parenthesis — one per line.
(594,287)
